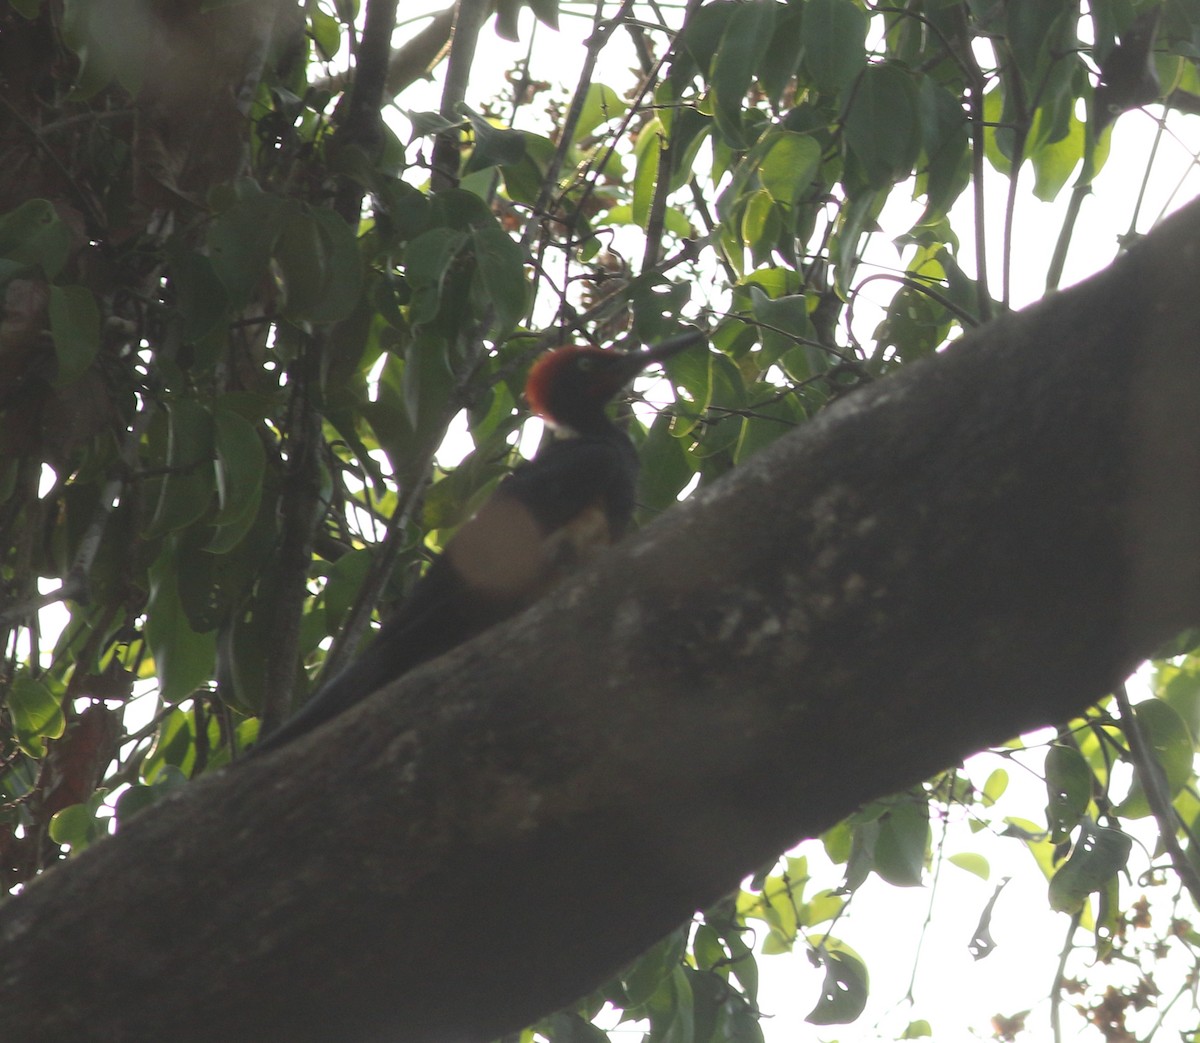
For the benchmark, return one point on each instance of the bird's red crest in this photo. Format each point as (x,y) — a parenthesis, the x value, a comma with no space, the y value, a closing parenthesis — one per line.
(548,371)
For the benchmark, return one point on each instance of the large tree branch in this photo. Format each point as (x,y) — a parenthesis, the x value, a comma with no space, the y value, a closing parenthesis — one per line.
(984,543)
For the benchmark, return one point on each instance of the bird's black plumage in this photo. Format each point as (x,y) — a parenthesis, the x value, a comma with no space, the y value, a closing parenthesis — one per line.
(544,519)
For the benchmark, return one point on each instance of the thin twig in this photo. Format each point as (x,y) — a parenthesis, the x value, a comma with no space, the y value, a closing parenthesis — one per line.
(593,45)
(978,82)
(1056,990)
(75,585)
(299,512)
(965,317)
(467,24)
(412,489)
(1148,772)
(363,125)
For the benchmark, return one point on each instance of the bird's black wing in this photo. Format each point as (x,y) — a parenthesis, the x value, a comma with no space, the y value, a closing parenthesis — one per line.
(575,496)
(427,625)
(572,474)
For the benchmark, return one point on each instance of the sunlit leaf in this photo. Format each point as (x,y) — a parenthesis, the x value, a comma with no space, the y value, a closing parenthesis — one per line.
(35,711)
(972,863)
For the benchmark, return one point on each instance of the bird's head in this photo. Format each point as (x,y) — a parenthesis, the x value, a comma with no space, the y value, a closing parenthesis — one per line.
(571,386)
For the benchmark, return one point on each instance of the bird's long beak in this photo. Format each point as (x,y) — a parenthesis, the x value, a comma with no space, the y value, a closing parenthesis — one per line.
(640,360)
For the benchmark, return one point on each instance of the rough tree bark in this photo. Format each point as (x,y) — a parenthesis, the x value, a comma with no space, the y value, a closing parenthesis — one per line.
(984,543)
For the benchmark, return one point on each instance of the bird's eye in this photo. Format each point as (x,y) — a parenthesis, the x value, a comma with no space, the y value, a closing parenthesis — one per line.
(585,363)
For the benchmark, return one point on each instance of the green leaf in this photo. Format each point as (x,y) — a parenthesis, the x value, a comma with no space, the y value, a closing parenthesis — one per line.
(342,285)
(745,968)
(35,712)
(342,587)
(1178,687)
(427,381)
(994,787)
(972,863)
(675,222)
(568,1027)
(855,220)
(789,166)
(691,371)
(240,467)
(761,227)
(1054,163)
(75,329)
(783,320)
(648,152)
(945,144)
(500,265)
(494,146)
(242,239)
(914,325)
(546,12)
(1099,853)
(601,104)
(996,146)
(523,180)
(844,992)
(778,65)
(301,258)
(77,824)
(200,296)
(1040,34)
(902,842)
(672,1008)
(742,47)
(883,125)
(32,234)
(834,34)
(183,659)
(248,648)
(137,798)
(823,906)
(188,487)
(427,260)
(769,422)
(702,34)
(326,32)
(1170,743)
(665,468)
(641,980)
(427,124)
(1069,789)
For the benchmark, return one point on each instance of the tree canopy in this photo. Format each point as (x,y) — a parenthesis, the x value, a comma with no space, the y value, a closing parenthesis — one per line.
(249,290)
